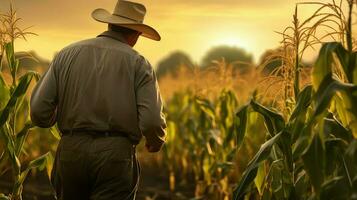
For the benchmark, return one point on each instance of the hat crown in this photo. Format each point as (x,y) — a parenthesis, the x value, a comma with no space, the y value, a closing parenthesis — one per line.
(130,10)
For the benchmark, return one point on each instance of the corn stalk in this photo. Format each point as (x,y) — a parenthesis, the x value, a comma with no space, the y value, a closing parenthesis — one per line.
(13,104)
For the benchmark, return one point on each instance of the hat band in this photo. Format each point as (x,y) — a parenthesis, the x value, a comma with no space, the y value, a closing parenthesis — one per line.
(139,21)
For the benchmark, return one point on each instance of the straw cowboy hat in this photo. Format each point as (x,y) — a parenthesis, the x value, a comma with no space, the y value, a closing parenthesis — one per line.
(129,15)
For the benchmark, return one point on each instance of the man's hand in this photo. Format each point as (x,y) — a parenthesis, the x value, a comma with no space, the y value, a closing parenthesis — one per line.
(152,149)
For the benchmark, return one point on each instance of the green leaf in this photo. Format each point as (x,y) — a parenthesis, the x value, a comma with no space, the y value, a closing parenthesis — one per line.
(299,116)
(327,90)
(21,113)
(301,143)
(10,56)
(49,164)
(350,162)
(314,162)
(10,148)
(336,188)
(215,136)
(206,107)
(301,185)
(242,127)
(354,189)
(39,162)
(303,102)
(56,133)
(20,90)
(333,154)
(340,109)
(259,179)
(231,132)
(285,144)
(334,127)
(4,197)
(347,110)
(231,155)
(21,137)
(227,104)
(252,168)
(4,93)
(354,72)
(44,161)
(334,55)
(325,61)
(274,121)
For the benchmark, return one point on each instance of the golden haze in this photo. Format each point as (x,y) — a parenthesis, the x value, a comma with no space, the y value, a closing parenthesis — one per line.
(191,26)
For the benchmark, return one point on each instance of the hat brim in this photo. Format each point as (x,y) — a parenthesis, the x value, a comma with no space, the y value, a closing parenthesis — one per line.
(102,15)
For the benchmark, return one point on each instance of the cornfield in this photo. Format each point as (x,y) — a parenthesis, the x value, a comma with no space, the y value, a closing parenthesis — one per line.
(290,134)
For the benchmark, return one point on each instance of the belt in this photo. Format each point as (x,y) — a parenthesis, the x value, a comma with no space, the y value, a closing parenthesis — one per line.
(95,134)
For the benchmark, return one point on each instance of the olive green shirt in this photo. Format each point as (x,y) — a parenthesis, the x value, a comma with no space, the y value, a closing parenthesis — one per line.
(100,84)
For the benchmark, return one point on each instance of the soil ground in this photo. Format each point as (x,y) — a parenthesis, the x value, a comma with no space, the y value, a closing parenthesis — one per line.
(154,185)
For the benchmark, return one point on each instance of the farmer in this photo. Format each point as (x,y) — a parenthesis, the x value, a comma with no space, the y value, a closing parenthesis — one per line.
(104,96)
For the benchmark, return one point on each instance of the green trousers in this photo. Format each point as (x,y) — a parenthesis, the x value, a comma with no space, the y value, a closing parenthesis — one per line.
(95,168)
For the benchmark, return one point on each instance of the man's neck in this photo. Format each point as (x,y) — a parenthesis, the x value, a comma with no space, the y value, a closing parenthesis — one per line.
(114,35)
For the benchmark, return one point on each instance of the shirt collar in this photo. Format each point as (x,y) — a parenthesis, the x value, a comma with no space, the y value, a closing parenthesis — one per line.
(114,35)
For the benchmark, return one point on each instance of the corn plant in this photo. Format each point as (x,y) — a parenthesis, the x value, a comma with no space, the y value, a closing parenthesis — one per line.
(312,154)
(297,38)
(202,141)
(15,122)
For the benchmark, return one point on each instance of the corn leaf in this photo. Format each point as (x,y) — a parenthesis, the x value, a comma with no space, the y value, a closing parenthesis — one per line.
(242,127)
(335,188)
(325,61)
(298,117)
(227,104)
(334,127)
(4,197)
(350,162)
(21,137)
(251,172)
(4,93)
(259,179)
(327,90)
(314,162)
(274,121)
(42,162)
(56,133)
(333,154)
(285,144)
(10,56)
(301,143)
(206,107)
(20,90)
(354,72)
(301,185)
(10,148)
(303,102)
(353,68)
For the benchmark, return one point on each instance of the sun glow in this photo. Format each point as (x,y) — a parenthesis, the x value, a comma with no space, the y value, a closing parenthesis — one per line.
(233,40)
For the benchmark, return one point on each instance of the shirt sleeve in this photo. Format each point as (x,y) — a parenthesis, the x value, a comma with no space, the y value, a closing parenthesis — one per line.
(149,104)
(43,103)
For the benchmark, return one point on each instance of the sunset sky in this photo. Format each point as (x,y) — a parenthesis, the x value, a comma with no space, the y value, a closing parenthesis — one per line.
(191,26)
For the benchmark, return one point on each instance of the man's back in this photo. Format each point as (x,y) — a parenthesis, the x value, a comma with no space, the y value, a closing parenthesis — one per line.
(99,86)
(103,85)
